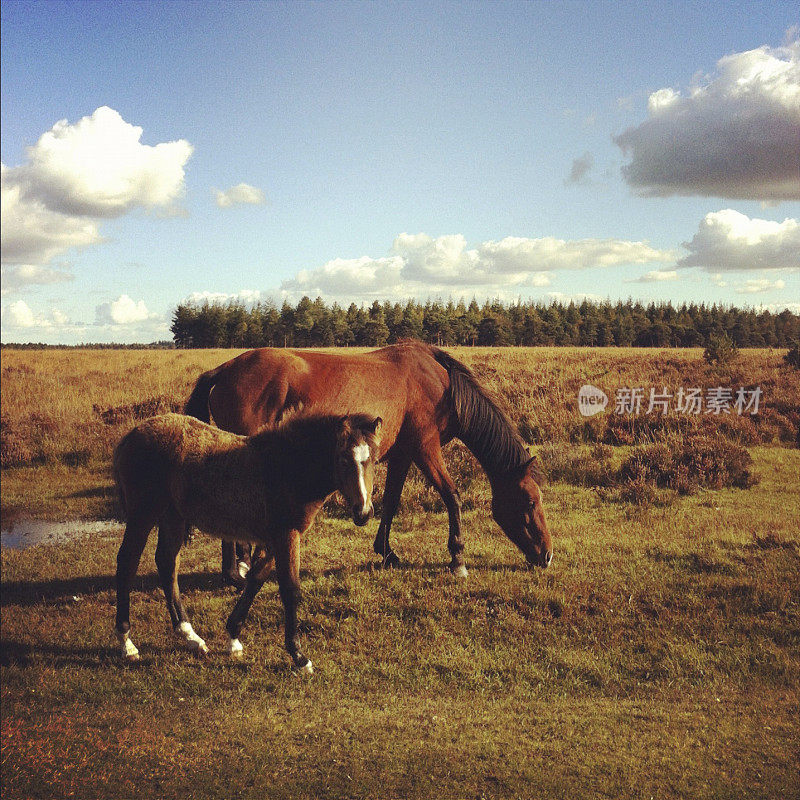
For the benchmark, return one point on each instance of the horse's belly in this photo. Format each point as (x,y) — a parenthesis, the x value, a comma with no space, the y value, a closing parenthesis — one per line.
(226,517)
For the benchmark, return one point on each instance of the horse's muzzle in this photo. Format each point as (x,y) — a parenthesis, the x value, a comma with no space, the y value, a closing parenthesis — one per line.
(361,517)
(542,559)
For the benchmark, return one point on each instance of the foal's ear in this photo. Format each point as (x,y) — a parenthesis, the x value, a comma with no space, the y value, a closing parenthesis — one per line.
(343,425)
(376,426)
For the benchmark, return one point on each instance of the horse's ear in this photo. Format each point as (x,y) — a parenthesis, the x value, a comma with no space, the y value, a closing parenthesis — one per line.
(376,426)
(343,425)
(534,469)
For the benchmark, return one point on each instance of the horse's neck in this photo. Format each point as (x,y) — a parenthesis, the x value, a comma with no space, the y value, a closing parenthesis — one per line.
(488,434)
(305,468)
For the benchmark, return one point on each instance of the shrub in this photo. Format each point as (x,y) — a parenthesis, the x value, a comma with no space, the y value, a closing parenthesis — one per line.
(15,448)
(578,465)
(721,351)
(689,463)
(792,358)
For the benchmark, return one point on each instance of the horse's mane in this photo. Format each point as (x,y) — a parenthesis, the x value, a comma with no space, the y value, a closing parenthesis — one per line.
(482,425)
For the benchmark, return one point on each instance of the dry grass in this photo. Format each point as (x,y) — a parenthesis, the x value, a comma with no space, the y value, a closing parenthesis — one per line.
(658,657)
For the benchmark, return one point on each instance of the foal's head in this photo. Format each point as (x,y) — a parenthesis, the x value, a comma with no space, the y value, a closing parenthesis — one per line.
(357,442)
(518,510)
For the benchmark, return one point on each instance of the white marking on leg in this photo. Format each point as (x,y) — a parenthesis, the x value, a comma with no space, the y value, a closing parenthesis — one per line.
(243,569)
(127,647)
(460,572)
(235,648)
(186,632)
(307,668)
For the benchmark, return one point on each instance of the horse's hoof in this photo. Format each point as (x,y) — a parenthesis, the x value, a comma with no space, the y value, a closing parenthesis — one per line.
(235,649)
(129,651)
(390,561)
(460,571)
(186,632)
(307,668)
(200,648)
(233,579)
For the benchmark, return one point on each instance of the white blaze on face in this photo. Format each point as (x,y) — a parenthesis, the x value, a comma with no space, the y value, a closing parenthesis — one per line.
(361,456)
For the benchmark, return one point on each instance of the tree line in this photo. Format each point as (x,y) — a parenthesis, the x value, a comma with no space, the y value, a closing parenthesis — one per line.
(314,323)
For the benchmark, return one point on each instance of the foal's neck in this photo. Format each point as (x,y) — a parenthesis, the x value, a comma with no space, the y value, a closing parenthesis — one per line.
(301,455)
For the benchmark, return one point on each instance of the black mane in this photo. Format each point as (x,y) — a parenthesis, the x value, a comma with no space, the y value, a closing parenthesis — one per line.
(483,427)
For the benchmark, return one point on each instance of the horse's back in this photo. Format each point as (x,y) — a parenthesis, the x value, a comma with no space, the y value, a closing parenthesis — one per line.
(262,386)
(178,461)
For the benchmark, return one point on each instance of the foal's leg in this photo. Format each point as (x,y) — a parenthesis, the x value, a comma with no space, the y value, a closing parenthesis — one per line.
(433,467)
(130,553)
(262,565)
(170,540)
(396,472)
(287,565)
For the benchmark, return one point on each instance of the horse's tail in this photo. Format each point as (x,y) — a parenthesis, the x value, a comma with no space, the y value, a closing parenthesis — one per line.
(197,404)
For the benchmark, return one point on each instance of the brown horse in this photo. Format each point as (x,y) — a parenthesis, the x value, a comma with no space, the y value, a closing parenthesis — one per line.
(175,471)
(425,398)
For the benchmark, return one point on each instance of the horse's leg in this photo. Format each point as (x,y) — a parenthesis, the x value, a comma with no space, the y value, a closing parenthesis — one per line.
(231,570)
(287,566)
(262,565)
(244,553)
(396,472)
(433,467)
(171,530)
(130,553)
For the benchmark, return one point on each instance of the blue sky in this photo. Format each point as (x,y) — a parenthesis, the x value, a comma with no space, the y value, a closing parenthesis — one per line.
(375,150)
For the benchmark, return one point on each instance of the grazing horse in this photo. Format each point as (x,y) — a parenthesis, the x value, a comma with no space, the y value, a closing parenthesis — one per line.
(174,471)
(425,398)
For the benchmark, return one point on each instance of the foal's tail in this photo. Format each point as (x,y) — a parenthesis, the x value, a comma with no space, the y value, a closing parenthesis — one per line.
(197,404)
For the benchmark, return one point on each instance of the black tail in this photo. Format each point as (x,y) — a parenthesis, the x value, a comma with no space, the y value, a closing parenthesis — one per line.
(197,404)
(483,426)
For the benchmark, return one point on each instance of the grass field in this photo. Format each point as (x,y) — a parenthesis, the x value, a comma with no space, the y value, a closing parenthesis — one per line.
(659,656)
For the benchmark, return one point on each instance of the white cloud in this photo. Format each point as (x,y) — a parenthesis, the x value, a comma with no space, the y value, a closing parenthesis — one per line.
(76,174)
(563,297)
(19,276)
(122,311)
(420,265)
(98,167)
(758,285)
(20,315)
(657,276)
(33,233)
(733,135)
(776,308)
(241,194)
(728,240)
(246,296)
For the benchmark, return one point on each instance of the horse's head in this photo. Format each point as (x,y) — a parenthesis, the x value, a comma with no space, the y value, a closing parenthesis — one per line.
(517,509)
(357,443)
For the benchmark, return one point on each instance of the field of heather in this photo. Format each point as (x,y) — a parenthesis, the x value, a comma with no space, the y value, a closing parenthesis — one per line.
(659,656)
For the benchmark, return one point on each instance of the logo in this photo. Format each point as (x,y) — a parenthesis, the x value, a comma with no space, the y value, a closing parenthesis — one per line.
(591,400)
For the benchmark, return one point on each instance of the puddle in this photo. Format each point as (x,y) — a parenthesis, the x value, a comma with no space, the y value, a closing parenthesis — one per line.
(24,533)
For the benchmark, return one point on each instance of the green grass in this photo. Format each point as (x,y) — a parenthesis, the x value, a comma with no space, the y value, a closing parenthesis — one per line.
(658,657)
